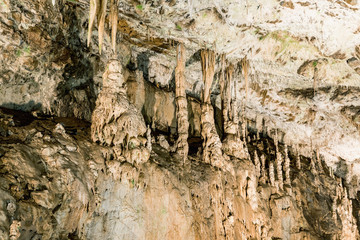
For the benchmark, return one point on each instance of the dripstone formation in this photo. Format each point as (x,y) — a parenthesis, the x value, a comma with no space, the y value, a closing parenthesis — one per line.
(190,119)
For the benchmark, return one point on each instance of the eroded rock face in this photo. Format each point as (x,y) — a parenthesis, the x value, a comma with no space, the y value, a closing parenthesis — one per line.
(39,68)
(56,184)
(272,127)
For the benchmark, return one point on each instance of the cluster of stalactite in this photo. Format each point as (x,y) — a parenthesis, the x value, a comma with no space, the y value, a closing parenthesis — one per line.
(212,152)
(277,168)
(213,147)
(98,12)
(232,144)
(116,122)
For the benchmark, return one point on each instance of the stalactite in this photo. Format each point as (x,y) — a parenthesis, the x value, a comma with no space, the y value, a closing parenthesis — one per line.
(234,102)
(279,161)
(313,165)
(208,70)
(259,126)
(272,174)
(298,163)
(148,137)
(339,180)
(345,197)
(98,10)
(318,160)
(331,172)
(212,152)
(316,73)
(257,164)
(222,89)
(279,170)
(181,104)
(114,22)
(263,159)
(276,141)
(94,9)
(287,167)
(228,104)
(232,145)
(334,208)
(245,68)
(243,131)
(153,127)
(102,15)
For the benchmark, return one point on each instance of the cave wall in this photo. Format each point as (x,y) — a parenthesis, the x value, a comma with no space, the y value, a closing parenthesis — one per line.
(302,102)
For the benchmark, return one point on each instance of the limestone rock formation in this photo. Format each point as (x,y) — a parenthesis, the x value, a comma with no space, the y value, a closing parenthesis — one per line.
(212,152)
(181,104)
(232,144)
(94,196)
(198,119)
(116,122)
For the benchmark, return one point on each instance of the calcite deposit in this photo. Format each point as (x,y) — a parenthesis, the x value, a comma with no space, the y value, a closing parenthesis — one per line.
(196,119)
(115,121)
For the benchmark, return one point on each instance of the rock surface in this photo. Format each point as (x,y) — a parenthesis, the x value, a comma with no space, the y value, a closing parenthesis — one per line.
(51,192)
(273,127)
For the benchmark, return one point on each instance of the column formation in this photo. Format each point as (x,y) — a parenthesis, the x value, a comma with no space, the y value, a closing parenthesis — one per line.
(181,104)
(212,152)
(232,144)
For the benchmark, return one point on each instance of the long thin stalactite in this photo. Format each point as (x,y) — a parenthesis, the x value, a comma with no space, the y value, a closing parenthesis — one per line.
(245,69)
(98,12)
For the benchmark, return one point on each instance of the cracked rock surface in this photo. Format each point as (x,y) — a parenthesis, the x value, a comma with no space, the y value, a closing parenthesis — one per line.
(56,184)
(142,141)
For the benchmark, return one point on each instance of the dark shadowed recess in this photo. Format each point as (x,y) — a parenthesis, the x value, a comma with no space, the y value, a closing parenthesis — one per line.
(78,75)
